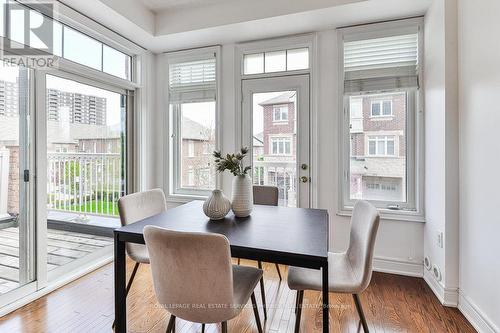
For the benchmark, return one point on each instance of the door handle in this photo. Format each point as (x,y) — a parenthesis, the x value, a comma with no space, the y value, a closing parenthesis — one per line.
(304,179)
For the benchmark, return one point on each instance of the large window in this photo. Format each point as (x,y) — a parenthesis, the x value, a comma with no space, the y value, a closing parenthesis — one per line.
(192,91)
(381,84)
(281,146)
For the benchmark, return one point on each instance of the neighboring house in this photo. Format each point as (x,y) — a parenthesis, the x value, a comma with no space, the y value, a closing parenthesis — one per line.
(378,147)
(197,147)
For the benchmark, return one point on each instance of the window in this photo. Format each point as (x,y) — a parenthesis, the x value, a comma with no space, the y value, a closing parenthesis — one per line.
(281,146)
(276,61)
(381,108)
(280,113)
(381,76)
(192,92)
(381,145)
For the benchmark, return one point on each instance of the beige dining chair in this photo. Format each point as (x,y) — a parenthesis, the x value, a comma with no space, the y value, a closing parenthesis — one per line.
(349,272)
(194,279)
(135,207)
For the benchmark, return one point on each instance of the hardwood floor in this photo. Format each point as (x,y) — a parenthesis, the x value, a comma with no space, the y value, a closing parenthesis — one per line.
(392,304)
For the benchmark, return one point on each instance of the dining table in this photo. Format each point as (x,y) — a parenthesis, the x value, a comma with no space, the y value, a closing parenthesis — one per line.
(275,234)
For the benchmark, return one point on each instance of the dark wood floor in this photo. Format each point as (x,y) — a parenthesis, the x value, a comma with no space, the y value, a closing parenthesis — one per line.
(392,304)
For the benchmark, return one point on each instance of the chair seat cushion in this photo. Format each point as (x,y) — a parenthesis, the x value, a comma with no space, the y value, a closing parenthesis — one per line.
(138,253)
(244,281)
(341,277)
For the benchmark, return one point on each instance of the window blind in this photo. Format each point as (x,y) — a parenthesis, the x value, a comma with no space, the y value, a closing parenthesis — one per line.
(192,81)
(380,64)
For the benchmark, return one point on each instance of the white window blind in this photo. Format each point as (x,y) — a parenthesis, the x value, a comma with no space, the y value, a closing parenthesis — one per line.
(380,64)
(193,81)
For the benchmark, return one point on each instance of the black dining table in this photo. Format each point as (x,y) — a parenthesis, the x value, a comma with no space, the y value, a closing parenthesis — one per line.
(283,235)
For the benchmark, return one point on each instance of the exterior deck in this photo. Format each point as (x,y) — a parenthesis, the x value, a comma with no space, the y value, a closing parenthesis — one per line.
(62,248)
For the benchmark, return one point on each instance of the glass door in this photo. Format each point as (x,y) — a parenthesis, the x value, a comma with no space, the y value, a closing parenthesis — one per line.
(16,224)
(276,127)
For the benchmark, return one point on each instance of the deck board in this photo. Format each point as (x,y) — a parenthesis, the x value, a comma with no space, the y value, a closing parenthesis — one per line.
(62,248)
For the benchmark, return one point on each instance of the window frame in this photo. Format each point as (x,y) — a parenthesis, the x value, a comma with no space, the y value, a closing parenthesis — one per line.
(377,138)
(283,139)
(380,102)
(280,107)
(413,208)
(172,173)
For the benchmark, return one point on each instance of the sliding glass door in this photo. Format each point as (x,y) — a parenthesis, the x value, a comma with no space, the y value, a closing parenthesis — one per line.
(17,259)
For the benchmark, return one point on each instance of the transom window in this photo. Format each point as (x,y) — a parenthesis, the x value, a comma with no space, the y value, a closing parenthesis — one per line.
(280,113)
(382,108)
(281,146)
(276,61)
(381,145)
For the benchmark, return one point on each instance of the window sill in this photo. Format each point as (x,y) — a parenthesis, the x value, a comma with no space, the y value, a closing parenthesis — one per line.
(184,198)
(392,215)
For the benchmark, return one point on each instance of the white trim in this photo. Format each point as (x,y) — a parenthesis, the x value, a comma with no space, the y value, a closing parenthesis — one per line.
(76,274)
(475,316)
(398,266)
(447,296)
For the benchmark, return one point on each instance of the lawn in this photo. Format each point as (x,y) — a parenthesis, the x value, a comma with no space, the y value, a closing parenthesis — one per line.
(94,207)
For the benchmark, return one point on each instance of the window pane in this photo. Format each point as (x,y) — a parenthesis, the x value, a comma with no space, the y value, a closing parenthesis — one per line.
(287,147)
(297,59)
(116,63)
(375,109)
(197,135)
(253,63)
(275,61)
(387,105)
(82,49)
(57,41)
(377,170)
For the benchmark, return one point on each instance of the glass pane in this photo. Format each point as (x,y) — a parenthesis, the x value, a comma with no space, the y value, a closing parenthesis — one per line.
(82,49)
(377,167)
(197,170)
(57,41)
(271,140)
(116,63)
(297,59)
(387,108)
(376,109)
(253,63)
(275,61)
(16,258)
(86,149)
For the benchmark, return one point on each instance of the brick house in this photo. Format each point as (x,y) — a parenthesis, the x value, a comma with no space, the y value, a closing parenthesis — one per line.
(378,146)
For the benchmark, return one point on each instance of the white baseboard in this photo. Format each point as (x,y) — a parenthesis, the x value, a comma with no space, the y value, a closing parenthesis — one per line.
(85,269)
(397,266)
(475,316)
(447,296)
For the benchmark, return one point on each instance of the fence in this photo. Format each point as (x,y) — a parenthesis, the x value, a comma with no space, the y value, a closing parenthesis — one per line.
(84,183)
(280,174)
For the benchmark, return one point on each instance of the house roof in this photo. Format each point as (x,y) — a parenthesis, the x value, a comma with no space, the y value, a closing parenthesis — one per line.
(258,140)
(287,97)
(193,130)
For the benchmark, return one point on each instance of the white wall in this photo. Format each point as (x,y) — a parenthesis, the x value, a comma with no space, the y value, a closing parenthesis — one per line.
(441,148)
(479,84)
(399,246)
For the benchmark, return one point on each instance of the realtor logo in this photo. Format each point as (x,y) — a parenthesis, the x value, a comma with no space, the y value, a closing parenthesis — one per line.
(29,34)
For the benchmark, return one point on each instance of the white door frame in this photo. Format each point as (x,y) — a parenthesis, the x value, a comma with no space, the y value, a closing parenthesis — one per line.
(301,84)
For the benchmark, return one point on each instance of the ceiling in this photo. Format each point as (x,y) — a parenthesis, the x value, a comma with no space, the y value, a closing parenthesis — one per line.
(160,5)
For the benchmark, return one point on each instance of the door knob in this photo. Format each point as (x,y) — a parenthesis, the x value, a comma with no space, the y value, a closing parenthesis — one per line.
(304,179)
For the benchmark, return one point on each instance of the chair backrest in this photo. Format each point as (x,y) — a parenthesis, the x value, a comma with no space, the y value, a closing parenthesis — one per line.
(192,274)
(265,195)
(364,225)
(138,206)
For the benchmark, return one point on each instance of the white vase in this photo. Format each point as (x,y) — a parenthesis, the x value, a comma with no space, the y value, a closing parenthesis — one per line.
(217,205)
(242,196)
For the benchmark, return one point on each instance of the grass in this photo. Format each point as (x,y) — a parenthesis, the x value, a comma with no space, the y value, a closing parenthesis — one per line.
(95,207)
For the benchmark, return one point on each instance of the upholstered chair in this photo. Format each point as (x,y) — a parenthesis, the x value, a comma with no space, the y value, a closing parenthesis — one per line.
(135,207)
(194,279)
(351,271)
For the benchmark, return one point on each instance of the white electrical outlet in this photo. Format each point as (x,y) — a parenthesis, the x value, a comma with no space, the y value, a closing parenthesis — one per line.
(440,239)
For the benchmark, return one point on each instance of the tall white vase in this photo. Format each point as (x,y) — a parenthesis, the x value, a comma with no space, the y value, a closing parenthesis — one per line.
(217,205)
(242,197)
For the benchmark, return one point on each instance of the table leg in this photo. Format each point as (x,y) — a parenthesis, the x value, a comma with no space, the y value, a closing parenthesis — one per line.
(120,293)
(325,297)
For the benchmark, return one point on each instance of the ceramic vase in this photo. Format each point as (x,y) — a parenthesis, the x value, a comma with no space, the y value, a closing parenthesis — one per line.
(242,196)
(217,205)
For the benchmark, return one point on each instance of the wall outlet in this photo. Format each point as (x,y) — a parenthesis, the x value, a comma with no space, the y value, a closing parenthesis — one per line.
(440,239)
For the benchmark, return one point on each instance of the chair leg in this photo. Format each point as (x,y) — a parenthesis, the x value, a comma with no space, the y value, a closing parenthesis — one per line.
(300,298)
(360,312)
(239,260)
(297,300)
(224,327)
(202,328)
(129,284)
(262,292)
(256,313)
(278,269)
(171,324)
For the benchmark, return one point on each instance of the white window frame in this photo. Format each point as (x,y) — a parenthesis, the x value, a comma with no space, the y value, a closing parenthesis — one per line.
(385,138)
(380,102)
(283,109)
(172,173)
(413,208)
(284,139)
